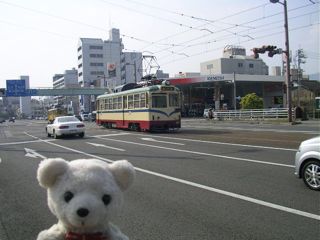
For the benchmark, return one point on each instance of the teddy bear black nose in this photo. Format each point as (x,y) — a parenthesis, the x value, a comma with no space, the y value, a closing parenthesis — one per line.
(82,212)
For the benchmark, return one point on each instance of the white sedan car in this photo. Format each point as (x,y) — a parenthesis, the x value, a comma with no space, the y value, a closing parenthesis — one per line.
(66,125)
(307,162)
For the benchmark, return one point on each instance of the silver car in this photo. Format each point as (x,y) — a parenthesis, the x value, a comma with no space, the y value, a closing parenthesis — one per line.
(307,162)
(66,125)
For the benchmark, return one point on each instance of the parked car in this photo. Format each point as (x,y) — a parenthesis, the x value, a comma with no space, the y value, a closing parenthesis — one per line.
(85,117)
(65,125)
(2,120)
(307,162)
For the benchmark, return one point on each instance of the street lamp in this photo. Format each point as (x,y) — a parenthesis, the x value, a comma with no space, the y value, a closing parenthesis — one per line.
(288,82)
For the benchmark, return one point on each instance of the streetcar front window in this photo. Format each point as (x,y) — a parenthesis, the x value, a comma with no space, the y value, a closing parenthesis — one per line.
(159,101)
(173,100)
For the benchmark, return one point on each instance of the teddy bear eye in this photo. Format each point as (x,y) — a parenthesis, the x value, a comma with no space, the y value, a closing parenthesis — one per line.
(68,196)
(106,199)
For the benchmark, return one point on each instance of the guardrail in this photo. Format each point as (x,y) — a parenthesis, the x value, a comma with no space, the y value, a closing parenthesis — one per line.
(253,114)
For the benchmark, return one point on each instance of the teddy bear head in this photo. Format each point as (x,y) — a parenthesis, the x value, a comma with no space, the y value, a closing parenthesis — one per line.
(85,194)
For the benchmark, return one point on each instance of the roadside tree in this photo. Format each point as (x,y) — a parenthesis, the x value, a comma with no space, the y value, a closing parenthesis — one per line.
(251,101)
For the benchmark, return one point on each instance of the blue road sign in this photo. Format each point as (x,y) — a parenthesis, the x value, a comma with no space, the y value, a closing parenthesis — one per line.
(16,88)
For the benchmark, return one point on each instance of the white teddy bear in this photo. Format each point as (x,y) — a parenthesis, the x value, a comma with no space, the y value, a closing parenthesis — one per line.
(84,195)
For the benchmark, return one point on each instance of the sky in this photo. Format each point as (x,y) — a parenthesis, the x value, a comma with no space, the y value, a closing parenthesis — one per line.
(39,38)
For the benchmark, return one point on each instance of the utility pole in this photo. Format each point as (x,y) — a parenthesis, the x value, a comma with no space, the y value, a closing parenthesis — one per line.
(287,53)
(234,91)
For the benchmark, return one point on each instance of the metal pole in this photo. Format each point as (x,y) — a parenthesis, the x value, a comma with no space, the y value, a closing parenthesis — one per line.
(288,82)
(234,91)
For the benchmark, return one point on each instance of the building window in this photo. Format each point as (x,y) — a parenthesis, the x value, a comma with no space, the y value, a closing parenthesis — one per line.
(95,47)
(251,65)
(240,65)
(80,74)
(96,64)
(79,57)
(80,65)
(79,49)
(96,72)
(210,66)
(94,55)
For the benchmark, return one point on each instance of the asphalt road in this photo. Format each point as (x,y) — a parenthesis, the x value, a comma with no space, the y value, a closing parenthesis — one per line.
(207,181)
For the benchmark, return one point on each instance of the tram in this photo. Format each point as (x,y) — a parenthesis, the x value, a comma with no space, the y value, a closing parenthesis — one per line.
(142,108)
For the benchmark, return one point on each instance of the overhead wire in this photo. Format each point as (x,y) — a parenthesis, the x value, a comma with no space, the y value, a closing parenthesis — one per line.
(261,28)
(259,37)
(251,21)
(158,42)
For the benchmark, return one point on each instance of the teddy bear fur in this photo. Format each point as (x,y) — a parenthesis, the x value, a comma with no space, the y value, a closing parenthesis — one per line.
(84,195)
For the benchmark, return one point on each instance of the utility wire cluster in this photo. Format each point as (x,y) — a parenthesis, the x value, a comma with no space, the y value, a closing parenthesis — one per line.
(244,31)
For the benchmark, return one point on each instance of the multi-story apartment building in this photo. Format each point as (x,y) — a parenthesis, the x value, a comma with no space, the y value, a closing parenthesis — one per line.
(69,79)
(234,60)
(102,63)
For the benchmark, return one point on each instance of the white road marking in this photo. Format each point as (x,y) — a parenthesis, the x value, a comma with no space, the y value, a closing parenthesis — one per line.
(113,134)
(102,145)
(223,143)
(32,153)
(252,129)
(24,142)
(234,195)
(204,187)
(201,153)
(154,140)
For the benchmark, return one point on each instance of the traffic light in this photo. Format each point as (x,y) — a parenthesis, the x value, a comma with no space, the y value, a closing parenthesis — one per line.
(256,52)
(272,50)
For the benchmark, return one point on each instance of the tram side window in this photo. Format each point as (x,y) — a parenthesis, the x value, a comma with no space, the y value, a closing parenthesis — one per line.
(119,102)
(110,103)
(173,100)
(143,100)
(136,100)
(159,101)
(115,103)
(106,104)
(125,102)
(130,102)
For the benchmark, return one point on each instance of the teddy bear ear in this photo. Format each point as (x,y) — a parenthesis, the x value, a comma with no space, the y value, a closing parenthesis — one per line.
(49,169)
(123,172)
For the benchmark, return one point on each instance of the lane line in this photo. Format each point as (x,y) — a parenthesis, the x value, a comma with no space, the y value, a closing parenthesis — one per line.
(105,146)
(113,134)
(253,129)
(24,142)
(201,153)
(204,187)
(221,143)
(154,140)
